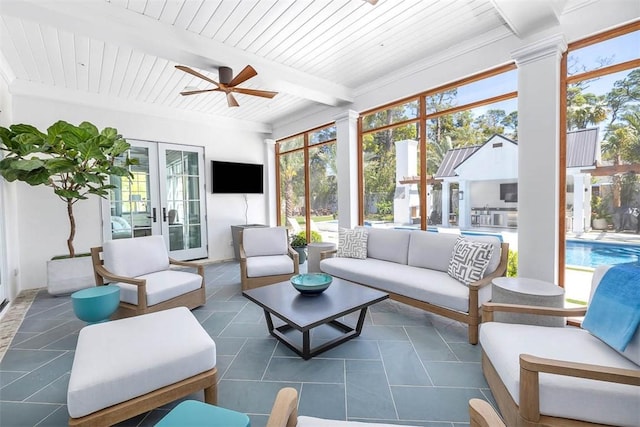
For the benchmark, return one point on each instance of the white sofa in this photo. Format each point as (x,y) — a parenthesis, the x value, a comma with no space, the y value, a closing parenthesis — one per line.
(559,376)
(411,265)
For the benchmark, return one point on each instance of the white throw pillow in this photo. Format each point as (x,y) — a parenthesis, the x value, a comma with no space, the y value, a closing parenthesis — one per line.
(352,243)
(469,260)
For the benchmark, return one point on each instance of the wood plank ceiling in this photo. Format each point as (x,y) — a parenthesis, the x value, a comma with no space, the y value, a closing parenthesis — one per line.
(312,52)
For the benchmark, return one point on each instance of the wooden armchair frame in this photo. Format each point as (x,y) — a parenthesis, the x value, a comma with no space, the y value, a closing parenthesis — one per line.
(190,300)
(256,282)
(474,317)
(482,414)
(527,414)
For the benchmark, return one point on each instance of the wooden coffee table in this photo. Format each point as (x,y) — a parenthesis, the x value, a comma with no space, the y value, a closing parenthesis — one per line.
(303,313)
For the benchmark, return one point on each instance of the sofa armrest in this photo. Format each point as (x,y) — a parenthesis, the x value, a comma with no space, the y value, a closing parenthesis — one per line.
(294,255)
(328,254)
(531,366)
(489,308)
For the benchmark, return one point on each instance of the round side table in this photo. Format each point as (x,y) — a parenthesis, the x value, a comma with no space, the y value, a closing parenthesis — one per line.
(313,261)
(95,305)
(520,290)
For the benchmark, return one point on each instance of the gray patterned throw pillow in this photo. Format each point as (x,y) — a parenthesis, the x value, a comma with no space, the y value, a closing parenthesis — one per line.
(469,260)
(352,243)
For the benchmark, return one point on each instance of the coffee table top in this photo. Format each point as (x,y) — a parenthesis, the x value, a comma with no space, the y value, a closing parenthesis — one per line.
(303,311)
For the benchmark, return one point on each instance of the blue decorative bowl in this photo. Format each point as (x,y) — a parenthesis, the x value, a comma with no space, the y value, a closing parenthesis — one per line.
(311,283)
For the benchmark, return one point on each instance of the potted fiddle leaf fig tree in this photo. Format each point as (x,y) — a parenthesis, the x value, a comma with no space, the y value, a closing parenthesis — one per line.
(74,161)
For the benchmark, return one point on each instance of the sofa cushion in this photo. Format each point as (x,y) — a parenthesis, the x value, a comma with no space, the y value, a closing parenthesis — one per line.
(563,396)
(422,284)
(494,262)
(388,244)
(632,352)
(264,241)
(135,257)
(431,250)
(259,266)
(352,243)
(469,260)
(161,286)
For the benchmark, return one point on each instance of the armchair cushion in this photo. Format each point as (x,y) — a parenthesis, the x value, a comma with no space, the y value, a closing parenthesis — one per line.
(161,286)
(259,266)
(562,396)
(135,257)
(264,241)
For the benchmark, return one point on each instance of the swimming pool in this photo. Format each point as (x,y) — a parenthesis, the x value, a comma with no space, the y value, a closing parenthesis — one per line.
(591,254)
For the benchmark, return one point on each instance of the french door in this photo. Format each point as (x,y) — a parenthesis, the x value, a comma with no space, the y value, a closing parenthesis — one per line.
(165,197)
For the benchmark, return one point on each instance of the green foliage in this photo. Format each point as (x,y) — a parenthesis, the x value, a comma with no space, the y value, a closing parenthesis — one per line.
(600,208)
(385,207)
(300,239)
(512,264)
(75,161)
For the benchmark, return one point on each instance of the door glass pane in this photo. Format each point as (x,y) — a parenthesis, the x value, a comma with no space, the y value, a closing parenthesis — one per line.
(131,199)
(183,199)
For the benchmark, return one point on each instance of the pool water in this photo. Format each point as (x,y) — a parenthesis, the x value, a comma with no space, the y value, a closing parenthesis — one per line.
(591,254)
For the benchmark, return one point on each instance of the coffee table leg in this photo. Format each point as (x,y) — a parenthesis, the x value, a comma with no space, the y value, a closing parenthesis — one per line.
(363,314)
(306,345)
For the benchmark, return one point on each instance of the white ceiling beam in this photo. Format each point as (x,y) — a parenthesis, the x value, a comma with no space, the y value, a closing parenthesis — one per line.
(102,21)
(525,18)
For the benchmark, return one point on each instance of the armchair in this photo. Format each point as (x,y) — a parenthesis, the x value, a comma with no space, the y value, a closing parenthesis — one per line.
(266,257)
(141,268)
(559,376)
(482,414)
(284,413)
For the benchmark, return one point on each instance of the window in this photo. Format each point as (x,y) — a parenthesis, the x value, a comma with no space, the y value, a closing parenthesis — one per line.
(602,146)
(308,186)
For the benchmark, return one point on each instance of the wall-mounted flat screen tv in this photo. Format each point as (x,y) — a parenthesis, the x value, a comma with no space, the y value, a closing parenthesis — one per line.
(236,178)
(509,192)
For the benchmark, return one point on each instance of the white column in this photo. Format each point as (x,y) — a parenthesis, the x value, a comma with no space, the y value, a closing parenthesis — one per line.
(445,203)
(406,165)
(347,153)
(538,144)
(579,196)
(271,202)
(464,203)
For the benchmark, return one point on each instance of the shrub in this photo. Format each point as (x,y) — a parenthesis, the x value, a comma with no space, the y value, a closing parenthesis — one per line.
(512,264)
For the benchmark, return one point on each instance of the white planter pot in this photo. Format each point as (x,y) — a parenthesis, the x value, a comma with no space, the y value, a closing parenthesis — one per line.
(599,224)
(69,275)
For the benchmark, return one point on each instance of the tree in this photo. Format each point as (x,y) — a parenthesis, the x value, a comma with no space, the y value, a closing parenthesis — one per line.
(75,161)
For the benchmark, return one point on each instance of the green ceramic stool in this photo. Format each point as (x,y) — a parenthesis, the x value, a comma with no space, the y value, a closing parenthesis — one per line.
(193,413)
(95,305)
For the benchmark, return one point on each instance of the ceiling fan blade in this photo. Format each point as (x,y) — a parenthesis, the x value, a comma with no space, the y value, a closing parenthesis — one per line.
(195,73)
(231,100)
(193,92)
(254,92)
(243,76)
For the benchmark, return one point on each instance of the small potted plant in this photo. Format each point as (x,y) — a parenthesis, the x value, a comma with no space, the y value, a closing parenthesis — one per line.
(299,244)
(600,213)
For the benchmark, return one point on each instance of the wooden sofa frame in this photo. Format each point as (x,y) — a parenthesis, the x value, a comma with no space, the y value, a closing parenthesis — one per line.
(191,300)
(474,317)
(528,413)
(256,282)
(206,381)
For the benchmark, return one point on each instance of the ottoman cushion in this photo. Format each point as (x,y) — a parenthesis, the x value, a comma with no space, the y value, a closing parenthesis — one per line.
(119,360)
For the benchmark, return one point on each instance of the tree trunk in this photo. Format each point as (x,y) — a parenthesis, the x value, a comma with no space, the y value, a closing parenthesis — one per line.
(72,229)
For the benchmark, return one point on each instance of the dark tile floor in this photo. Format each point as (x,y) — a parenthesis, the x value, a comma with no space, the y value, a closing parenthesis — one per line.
(407,367)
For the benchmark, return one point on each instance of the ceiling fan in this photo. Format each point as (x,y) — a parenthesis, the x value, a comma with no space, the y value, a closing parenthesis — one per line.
(228,83)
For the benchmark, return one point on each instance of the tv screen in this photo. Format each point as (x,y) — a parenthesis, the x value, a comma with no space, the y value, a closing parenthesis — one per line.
(509,192)
(233,177)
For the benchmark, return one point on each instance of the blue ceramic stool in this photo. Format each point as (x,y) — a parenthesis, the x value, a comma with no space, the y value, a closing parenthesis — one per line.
(193,413)
(95,305)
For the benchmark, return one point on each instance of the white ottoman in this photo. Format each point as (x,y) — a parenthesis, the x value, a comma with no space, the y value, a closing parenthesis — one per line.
(127,367)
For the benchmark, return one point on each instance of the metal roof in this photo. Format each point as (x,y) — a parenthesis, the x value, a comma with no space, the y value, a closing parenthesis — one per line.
(582,151)
(582,148)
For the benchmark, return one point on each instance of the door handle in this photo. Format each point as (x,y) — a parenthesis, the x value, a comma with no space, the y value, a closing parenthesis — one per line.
(164,214)
(153,215)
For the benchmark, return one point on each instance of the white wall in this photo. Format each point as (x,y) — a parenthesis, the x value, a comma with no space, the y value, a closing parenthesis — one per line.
(43,225)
